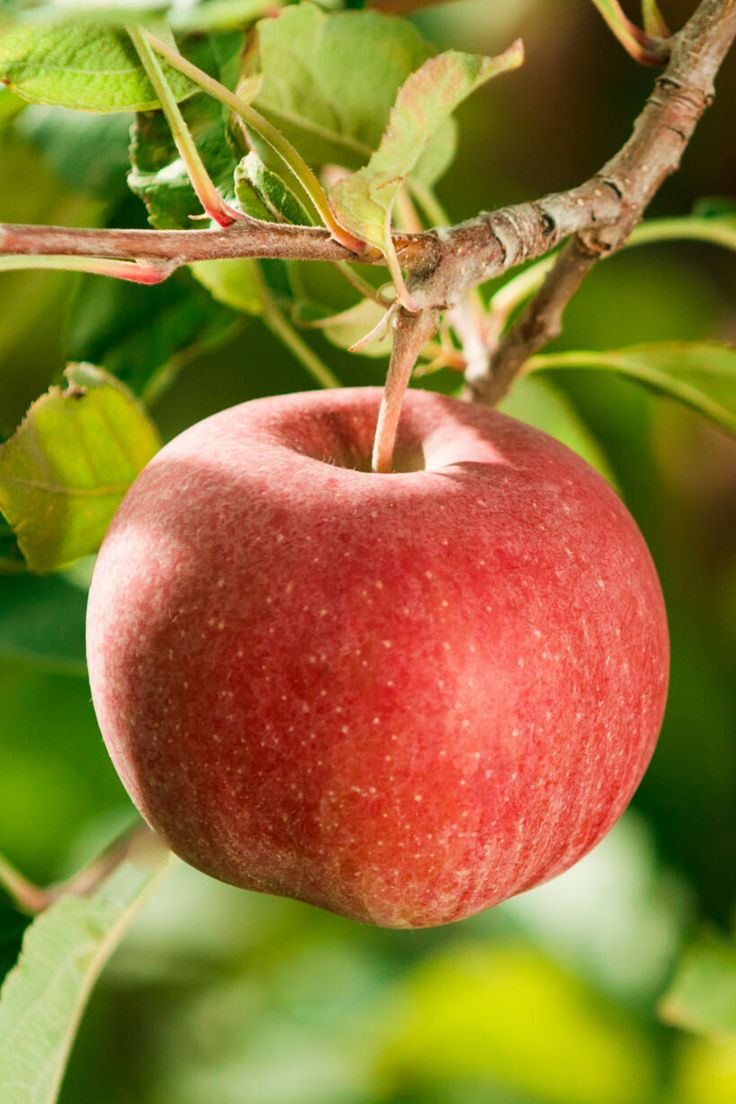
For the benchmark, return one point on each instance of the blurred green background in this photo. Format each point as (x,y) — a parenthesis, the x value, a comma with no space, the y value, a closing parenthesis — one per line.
(222,996)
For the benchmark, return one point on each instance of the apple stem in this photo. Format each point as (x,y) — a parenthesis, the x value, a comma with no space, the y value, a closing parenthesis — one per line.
(411,332)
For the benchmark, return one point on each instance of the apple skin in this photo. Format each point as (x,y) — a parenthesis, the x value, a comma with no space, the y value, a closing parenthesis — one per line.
(401,697)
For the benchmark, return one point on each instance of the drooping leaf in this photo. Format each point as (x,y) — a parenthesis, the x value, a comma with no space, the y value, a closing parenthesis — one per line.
(145,335)
(700,374)
(262,194)
(158,175)
(363,201)
(80,65)
(64,950)
(65,470)
(329,82)
(702,995)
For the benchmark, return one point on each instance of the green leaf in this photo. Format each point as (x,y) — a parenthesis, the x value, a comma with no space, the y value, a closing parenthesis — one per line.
(262,194)
(235,283)
(715,207)
(329,82)
(536,401)
(699,374)
(714,224)
(198,16)
(12,929)
(443,1033)
(702,996)
(42,623)
(79,66)
(10,106)
(145,335)
(349,326)
(11,557)
(65,139)
(65,470)
(363,201)
(64,950)
(159,176)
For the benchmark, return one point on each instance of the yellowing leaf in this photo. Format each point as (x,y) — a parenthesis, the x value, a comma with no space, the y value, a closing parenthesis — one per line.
(363,202)
(65,470)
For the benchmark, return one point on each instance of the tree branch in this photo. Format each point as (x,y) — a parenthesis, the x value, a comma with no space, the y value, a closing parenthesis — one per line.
(445,263)
(635,173)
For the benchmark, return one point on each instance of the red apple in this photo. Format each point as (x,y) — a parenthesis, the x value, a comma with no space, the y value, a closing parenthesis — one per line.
(402,697)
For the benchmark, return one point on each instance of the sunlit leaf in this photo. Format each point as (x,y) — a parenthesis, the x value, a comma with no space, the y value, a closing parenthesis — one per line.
(80,66)
(702,995)
(65,470)
(329,82)
(63,952)
(700,374)
(363,201)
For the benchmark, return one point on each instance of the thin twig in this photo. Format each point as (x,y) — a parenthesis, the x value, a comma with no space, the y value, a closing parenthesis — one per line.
(34,899)
(651,154)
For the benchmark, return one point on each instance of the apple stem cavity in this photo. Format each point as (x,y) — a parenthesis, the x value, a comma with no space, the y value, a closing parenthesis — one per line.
(411,332)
